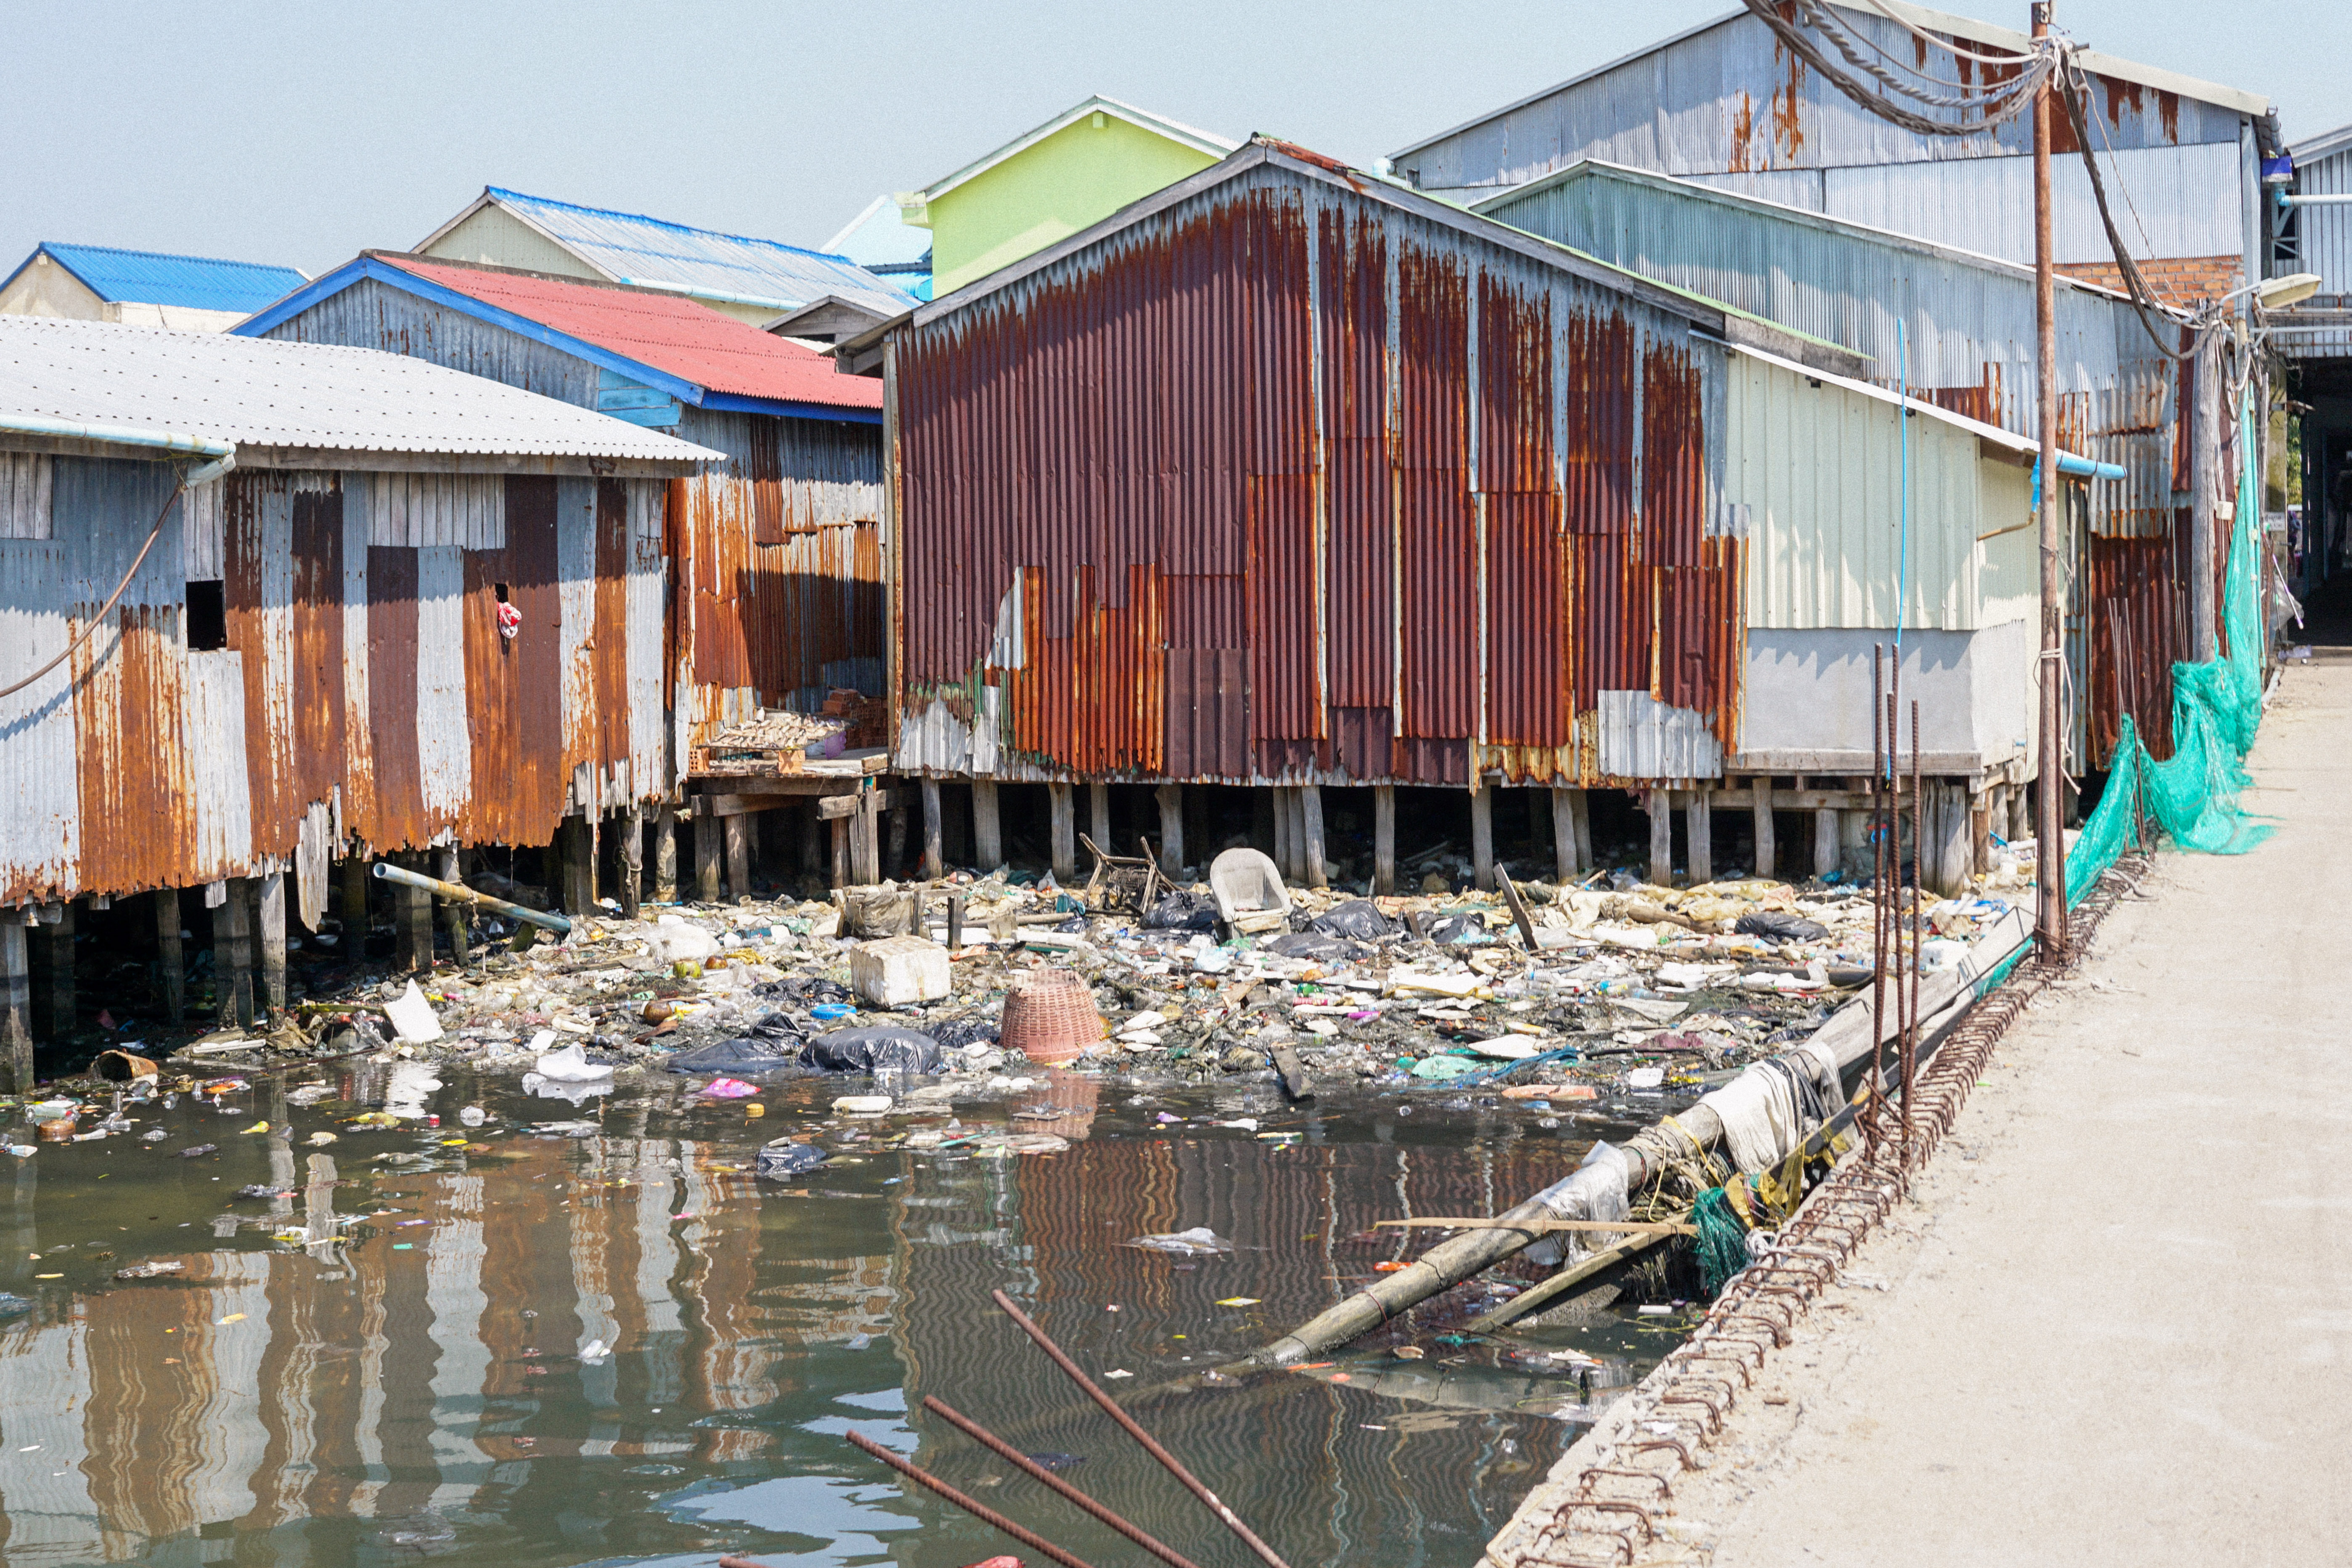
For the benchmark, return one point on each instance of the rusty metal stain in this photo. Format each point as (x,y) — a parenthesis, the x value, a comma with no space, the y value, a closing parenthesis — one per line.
(1787,102)
(610,639)
(2138,603)
(398,817)
(541,775)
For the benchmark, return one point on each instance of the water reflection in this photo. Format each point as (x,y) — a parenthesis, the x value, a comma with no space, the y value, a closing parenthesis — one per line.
(588,1335)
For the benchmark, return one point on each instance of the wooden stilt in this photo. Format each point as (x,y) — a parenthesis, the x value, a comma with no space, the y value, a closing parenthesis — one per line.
(352,880)
(866,841)
(738,858)
(1825,842)
(666,853)
(934,862)
(841,875)
(1384,839)
(709,846)
(1662,837)
(1065,833)
(987,829)
(1572,834)
(57,1006)
(453,914)
(171,965)
(1768,849)
(233,953)
(1482,837)
(1171,800)
(1098,815)
(1285,856)
(1699,824)
(955,825)
(633,858)
(270,922)
(16,1005)
(896,860)
(1310,817)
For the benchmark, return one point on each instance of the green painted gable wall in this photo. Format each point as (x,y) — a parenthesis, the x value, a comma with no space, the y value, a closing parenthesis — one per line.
(1075,177)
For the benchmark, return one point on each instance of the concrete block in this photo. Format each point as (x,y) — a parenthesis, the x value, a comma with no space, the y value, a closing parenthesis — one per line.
(899,970)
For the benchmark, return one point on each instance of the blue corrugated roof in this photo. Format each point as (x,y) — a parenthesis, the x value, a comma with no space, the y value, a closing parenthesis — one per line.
(648,250)
(157,278)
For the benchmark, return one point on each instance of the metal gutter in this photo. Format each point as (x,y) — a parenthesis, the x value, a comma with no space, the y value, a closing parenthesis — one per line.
(123,435)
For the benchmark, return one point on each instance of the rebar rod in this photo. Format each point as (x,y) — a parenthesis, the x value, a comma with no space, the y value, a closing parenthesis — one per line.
(977,1510)
(1038,1472)
(1174,1466)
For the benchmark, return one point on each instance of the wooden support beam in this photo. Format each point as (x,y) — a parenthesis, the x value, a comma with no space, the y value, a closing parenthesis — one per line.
(453,913)
(1099,814)
(1310,814)
(1825,842)
(832,805)
(934,863)
(633,860)
(738,857)
(666,853)
(269,923)
(1661,807)
(709,846)
(987,830)
(171,961)
(866,838)
(1699,824)
(233,959)
(351,901)
(1767,852)
(57,1006)
(840,874)
(16,1008)
(1482,837)
(1571,832)
(1171,800)
(1384,839)
(1064,833)
(1279,799)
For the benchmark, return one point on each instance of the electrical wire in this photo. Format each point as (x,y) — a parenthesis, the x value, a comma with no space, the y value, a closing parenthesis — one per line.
(1825,21)
(2018,95)
(2143,298)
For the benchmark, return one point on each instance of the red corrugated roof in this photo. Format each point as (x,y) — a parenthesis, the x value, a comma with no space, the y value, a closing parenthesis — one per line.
(684,337)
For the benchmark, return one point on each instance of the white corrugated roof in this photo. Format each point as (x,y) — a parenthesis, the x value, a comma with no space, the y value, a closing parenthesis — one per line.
(264,393)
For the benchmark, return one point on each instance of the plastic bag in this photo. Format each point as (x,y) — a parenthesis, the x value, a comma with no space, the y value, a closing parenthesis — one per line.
(874,1048)
(742,1055)
(1356,918)
(673,939)
(1773,925)
(1311,944)
(1181,911)
(784,1159)
(1196,1242)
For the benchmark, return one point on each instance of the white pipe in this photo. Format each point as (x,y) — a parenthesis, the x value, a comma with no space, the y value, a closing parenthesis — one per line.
(2343,199)
(120,435)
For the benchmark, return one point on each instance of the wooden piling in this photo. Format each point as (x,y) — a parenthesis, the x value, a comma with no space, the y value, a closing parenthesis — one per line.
(351,900)
(1171,800)
(1310,817)
(57,1006)
(739,857)
(1825,842)
(840,873)
(708,848)
(1284,859)
(269,923)
(1571,831)
(666,853)
(15,1005)
(1767,852)
(987,829)
(1482,837)
(894,860)
(934,863)
(1384,839)
(232,955)
(1699,825)
(171,961)
(866,841)
(633,858)
(1065,833)
(1662,837)
(1098,815)
(448,865)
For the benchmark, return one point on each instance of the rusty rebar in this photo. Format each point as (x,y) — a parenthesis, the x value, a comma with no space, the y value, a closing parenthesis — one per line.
(1174,1466)
(977,1510)
(1038,1472)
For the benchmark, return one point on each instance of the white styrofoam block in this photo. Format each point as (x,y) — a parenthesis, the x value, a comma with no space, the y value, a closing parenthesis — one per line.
(899,970)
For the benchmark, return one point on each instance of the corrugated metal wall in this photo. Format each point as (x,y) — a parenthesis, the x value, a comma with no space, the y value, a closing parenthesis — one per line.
(1286,484)
(774,587)
(2324,237)
(1729,102)
(364,690)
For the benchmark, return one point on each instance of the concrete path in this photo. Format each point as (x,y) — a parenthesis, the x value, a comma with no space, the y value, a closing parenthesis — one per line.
(2116,1325)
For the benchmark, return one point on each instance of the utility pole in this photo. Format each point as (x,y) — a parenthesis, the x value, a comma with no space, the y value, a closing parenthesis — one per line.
(2050,862)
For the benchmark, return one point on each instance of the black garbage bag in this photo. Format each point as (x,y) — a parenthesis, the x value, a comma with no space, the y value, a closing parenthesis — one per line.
(784,1159)
(874,1048)
(1456,927)
(1774,926)
(1356,918)
(806,990)
(1181,911)
(741,1057)
(970,1030)
(1314,945)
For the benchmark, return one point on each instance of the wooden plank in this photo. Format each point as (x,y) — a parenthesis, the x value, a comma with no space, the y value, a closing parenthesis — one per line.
(1625,1227)
(1384,839)
(800,785)
(1066,834)
(1526,1301)
(1519,914)
(1482,837)
(1310,812)
(1171,800)
(833,805)
(1699,826)
(725,805)
(1661,839)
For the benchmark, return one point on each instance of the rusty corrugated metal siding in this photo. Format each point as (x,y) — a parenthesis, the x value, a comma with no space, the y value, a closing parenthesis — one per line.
(1285,484)
(363,690)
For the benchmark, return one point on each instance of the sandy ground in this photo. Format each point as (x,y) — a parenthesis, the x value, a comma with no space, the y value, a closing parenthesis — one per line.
(2114,1322)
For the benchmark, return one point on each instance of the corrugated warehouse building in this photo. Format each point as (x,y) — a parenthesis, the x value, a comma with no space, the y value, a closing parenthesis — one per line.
(773,556)
(1955,328)
(423,610)
(1725,103)
(1290,476)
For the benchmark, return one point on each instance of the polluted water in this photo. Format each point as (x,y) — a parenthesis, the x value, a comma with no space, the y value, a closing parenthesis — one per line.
(365,1314)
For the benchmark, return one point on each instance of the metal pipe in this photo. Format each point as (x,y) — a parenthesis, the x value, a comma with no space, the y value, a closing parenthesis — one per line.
(979,1511)
(460,893)
(2331,200)
(1174,1466)
(1038,1472)
(118,435)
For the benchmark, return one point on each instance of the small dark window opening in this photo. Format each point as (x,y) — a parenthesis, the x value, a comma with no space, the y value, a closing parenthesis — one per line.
(500,590)
(207,616)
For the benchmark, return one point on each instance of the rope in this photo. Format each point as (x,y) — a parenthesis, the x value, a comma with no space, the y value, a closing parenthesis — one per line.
(99,619)
(1826,22)
(1927,37)
(2018,95)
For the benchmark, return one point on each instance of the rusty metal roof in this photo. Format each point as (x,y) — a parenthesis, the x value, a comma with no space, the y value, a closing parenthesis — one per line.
(263,392)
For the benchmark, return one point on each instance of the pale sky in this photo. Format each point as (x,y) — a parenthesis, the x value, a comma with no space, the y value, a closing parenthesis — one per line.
(299,134)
